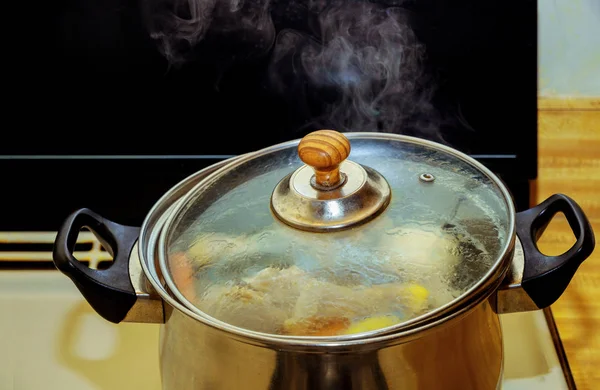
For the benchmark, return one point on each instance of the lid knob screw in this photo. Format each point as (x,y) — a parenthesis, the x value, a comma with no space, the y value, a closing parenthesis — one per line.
(324,151)
(426,177)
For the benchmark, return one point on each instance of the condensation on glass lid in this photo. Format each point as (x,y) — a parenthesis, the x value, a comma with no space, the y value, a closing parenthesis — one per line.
(234,260)
(341,284)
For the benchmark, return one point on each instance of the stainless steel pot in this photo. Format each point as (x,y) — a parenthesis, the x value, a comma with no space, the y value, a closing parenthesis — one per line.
(456,344)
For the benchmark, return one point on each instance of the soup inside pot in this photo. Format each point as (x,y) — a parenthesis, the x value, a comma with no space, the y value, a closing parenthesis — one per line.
(335,289)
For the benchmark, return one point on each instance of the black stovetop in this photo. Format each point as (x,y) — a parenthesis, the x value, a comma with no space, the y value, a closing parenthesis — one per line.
(89,80)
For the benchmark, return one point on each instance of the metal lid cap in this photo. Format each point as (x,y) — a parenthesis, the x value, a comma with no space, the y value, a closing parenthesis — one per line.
(329,192)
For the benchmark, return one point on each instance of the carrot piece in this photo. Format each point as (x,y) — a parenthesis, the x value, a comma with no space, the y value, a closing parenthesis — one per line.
(183,274)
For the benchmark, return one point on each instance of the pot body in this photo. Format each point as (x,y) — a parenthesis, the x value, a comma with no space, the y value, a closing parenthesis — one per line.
(463,354)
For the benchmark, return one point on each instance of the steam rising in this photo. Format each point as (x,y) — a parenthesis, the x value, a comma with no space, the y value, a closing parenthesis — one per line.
(351,66)
(180,25)
(369,61)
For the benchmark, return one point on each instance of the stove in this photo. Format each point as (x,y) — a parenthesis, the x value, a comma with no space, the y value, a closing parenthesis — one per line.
(134,121)
(53,339)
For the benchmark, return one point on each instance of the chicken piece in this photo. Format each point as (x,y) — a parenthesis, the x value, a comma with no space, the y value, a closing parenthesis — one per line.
(431,258)
(421,251)
(289,301)
(261,304)
(316,326)
(210,247)
(327,325)
(244,307)
(320,299)
(278,281)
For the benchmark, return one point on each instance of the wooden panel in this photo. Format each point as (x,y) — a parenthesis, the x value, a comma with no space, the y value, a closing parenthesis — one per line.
(569,103)
(569,162)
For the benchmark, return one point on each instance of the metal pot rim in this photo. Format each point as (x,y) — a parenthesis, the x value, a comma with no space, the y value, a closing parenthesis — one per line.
(167,207)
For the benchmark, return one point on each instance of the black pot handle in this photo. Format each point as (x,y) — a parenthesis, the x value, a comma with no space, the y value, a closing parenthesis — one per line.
(108,291)
(545,278)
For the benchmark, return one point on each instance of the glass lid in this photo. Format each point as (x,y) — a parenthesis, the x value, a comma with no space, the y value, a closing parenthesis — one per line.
(337,235)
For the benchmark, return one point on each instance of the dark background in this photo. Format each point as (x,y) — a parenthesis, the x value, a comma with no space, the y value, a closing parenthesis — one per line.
(83,80)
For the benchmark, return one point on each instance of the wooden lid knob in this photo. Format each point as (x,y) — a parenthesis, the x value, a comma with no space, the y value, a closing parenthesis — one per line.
(324,151)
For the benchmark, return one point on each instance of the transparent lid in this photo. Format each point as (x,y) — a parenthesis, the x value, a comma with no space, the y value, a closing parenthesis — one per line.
(241,249)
